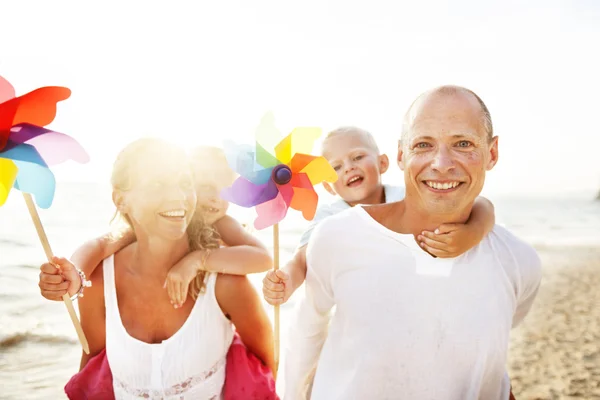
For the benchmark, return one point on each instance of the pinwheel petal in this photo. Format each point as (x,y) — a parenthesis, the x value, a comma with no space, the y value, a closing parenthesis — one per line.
(301,140)
(270,212)
(8,175)
(247,194)
(54,147)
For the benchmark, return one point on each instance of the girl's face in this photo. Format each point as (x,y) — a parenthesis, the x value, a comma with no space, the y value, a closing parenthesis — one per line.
(209,184)
(162,200)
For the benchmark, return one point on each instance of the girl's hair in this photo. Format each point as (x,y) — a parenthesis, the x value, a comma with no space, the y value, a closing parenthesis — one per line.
(201,236)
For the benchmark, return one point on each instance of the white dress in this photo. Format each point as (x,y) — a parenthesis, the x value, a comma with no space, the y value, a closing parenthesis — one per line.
(188,365)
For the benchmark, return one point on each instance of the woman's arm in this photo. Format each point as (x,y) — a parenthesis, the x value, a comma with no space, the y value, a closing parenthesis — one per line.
(91,311)
(240,302)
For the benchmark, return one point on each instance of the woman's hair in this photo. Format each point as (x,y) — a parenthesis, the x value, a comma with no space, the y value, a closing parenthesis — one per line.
(201,236)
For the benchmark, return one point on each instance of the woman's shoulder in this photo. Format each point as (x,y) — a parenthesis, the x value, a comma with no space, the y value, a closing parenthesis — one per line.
(231,290)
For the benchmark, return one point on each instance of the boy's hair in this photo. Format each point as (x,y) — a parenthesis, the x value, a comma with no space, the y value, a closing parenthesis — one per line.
(353,130)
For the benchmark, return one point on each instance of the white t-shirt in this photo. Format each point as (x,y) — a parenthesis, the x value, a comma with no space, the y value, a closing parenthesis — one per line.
(407,325)
(392,194)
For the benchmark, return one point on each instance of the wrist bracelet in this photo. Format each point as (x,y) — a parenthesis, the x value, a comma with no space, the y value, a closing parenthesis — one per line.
(84,283)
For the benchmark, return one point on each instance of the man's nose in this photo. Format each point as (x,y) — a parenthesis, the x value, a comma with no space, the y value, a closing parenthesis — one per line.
(442,161)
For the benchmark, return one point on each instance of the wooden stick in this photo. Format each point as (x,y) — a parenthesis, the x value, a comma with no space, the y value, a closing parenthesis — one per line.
(276,267)
(44,239)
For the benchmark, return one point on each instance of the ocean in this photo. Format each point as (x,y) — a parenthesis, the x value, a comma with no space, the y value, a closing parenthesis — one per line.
(39,350)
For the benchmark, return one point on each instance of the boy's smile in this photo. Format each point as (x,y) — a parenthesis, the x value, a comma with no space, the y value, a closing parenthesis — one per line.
(356,159)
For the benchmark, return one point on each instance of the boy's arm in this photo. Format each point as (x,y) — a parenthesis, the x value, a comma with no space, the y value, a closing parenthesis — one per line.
(278,286)
(452,240)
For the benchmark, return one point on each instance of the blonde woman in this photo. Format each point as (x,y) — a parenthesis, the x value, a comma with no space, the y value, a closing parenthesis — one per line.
(155,350)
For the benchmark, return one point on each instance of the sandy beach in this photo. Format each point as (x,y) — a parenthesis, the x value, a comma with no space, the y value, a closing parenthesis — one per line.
(555,352)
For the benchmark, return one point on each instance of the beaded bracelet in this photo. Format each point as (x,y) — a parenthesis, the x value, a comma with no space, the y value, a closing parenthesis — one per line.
(84,283)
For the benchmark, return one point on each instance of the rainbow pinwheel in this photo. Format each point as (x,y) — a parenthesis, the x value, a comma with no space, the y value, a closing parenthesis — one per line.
(277,174)
(26,149)
(275,177)
(26,152)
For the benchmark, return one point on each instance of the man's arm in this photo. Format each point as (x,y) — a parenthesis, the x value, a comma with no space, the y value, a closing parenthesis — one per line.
(529,270)
(312,318)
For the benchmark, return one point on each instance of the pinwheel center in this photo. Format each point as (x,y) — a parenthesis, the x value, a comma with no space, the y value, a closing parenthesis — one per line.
(282,174)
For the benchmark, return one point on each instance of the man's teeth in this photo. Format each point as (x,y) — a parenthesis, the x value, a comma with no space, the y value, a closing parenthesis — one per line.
(442,186)
(353,180)
(174,214)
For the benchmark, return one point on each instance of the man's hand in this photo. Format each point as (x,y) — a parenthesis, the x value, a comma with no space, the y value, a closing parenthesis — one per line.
(277,287)
(58,278)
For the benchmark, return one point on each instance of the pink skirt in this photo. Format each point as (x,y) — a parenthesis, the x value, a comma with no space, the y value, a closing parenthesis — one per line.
(246,377)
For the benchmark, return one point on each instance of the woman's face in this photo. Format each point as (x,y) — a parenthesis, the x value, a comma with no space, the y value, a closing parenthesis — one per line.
(162,199)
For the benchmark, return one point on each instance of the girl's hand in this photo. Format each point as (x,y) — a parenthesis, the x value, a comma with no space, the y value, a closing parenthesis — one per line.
(449,240)
(179,278)
(58,278)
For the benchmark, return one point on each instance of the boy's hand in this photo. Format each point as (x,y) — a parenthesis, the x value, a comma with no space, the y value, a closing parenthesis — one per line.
(449,240)
(179,278)
(58,278)
(277,287)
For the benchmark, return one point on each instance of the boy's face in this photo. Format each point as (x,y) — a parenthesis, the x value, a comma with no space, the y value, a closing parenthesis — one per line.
(358,166)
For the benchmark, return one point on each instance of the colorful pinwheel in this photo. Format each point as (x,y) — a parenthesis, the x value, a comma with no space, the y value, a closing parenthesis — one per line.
(26,152)
(275,182)
(274,176)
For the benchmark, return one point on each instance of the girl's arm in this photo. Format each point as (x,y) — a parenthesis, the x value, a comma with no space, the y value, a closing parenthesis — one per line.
(237,260)
(242,305)
(234,234)
(55,282)
(452,240)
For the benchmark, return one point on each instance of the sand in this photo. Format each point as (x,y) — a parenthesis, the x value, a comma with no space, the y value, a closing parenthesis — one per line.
(555,352)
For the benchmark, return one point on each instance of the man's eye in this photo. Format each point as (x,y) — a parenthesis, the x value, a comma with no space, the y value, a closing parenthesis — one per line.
(421,145)
(464,144)
(359,157)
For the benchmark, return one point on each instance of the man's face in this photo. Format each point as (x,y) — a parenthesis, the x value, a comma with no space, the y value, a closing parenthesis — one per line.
(357,164)
(446,153)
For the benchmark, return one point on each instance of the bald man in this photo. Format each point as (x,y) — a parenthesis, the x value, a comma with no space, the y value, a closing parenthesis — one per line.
(408,325)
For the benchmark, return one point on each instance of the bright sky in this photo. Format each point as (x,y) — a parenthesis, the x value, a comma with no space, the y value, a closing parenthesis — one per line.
(199,72)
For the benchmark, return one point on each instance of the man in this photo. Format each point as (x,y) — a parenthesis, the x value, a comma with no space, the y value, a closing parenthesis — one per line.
(408,325)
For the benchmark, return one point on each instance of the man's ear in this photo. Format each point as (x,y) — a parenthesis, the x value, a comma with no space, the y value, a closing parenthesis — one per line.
(329,189)
(493,154)
(400,157)
(384,163)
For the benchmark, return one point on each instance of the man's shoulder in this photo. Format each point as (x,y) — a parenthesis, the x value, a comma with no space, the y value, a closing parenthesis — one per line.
(510,248)
(338,223)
